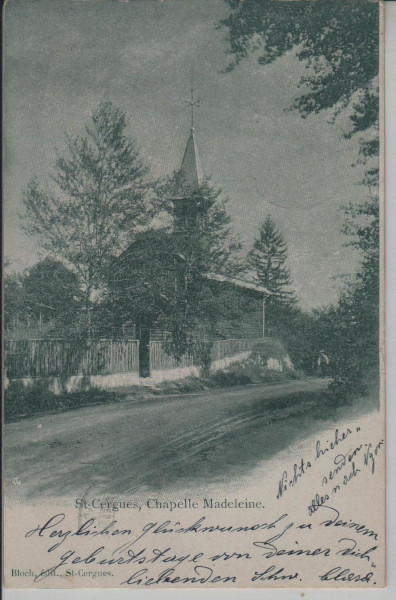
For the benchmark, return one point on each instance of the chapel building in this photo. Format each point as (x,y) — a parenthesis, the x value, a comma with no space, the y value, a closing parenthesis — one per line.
(144,268)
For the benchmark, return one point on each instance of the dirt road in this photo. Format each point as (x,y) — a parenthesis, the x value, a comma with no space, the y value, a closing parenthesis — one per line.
(132,447)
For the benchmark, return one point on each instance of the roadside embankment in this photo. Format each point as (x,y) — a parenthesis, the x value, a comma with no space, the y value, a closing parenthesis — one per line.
(266,363)
(23,401)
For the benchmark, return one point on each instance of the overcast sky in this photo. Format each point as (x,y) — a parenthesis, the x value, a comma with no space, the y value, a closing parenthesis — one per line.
(63,57)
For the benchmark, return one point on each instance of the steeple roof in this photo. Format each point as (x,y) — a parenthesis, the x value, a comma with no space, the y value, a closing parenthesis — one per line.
(191,167)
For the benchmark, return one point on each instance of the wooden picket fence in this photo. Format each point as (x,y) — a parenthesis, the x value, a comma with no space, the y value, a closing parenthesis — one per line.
(63,358)
(52,358)
(161,360)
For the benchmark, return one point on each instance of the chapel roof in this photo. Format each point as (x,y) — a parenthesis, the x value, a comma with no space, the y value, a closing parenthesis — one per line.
(247,285)
(191,167)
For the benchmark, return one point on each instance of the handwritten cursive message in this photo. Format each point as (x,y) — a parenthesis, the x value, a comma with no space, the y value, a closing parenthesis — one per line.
(311,532)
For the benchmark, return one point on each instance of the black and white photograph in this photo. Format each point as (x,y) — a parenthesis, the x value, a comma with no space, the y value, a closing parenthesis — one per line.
(193,294)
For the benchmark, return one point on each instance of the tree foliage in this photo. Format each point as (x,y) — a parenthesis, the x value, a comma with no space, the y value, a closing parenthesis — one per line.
(349,330)
(161,278)
(203,244)
(46,299)
(13,300)
(97,201)
(268,260)
(338,41)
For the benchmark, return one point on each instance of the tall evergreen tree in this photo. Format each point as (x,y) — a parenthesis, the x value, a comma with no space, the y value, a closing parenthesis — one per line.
(204,245)
(268,260)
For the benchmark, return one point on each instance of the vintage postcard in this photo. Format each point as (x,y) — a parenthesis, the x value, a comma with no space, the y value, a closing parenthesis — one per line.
(193,294)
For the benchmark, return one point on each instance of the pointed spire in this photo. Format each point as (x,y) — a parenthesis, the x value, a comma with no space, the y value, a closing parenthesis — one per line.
(191,165)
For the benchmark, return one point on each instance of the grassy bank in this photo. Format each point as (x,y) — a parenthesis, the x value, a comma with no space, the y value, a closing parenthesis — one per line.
(22,402)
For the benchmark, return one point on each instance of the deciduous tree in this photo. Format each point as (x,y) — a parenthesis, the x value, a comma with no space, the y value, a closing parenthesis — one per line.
(338,42)
(44,300)
(97,200)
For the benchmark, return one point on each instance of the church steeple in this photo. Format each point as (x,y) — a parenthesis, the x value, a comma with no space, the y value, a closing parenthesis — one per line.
(191,175)
(191,168)
(191,164)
